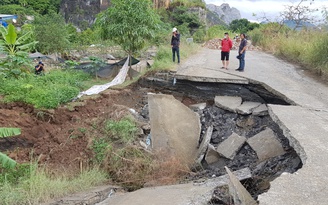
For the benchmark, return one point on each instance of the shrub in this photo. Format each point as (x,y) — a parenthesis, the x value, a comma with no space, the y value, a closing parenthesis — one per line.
(123,130)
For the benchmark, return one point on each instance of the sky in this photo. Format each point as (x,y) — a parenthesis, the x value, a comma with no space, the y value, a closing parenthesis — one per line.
(270,9)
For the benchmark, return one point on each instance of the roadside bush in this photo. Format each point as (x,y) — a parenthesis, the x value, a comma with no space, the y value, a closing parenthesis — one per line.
(216,32)
(129,166)
(123,130)
(318,53)
(199,35)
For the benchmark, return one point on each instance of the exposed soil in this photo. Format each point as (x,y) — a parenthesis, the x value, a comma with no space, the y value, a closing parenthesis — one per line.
(59,138)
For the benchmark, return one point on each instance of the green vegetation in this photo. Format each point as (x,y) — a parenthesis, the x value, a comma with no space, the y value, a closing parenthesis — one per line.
(188,3)
(215,32)
(28,184)
(128,23)
(123,130)
(306,47)
(7,162)
(16,50)
(48,91)
(127,165)
(163,58)
(38,6)
(242,25)
(51,26)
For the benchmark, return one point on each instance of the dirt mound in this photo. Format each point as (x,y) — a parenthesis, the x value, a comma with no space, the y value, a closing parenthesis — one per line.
(59,138)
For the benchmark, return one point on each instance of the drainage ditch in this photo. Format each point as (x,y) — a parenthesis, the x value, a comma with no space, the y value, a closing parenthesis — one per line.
(224,124)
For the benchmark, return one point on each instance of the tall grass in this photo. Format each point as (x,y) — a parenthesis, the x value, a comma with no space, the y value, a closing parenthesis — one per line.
(39,187)
(163,58)
(307,47)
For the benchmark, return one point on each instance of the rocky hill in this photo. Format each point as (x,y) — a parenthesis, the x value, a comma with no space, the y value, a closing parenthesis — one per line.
(82,13)
(223,13)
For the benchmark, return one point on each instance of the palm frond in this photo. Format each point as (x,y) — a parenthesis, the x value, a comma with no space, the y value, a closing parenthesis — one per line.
(8,132)
(6,161)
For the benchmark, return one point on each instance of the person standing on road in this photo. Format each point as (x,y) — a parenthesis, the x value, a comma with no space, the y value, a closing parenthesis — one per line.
(226,45)
(242,52)
(175,43)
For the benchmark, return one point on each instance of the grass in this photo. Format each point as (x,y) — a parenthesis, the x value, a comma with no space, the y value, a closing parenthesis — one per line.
(49,91)
(163,59)
(123,130)
(34,185)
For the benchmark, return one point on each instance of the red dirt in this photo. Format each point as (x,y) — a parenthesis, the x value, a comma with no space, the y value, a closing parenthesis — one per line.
(56,137)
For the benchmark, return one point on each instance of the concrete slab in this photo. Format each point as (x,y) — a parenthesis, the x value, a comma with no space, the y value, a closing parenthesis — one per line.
(199,106)
(229,103)
(247,107)
(175,128)
(240,195)
(261,110)
(229,147)
(197,193)
(89,197)
(204,144)
(266,145)
(307,131)
(212,156)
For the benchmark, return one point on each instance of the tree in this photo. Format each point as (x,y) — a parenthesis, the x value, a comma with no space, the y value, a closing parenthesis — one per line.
(242,25)
(6,161)
(51,33)
(129,23)
(298,14)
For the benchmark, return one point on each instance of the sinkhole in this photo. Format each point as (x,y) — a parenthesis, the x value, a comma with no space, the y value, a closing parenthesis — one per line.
(238,138)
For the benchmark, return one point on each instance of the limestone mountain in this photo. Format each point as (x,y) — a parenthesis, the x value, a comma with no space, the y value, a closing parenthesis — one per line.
(223,13)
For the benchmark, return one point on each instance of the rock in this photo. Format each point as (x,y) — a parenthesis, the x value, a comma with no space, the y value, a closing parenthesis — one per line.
(266,145)
(261,110)
(229,103)
(246,123)
(240,195)
(247,107)
(199,106)
(174,127)
(224,12)
(203,146)
(212,156)
(229,147)
(110,57)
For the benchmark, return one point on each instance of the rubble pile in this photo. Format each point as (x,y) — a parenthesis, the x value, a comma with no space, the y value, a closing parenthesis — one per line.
(216,44)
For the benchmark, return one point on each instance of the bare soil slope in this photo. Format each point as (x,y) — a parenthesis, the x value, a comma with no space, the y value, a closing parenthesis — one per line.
(59,138)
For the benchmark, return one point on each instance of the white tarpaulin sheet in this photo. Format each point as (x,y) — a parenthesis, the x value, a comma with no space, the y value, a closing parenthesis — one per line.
(119,79)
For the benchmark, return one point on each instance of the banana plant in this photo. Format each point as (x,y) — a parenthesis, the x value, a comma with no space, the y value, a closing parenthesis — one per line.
(16,48)
(6,161)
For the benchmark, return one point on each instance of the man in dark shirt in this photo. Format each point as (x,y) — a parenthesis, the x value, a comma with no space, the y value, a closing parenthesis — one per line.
(39,69)
(241,53)
(3,22)
(175,43)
